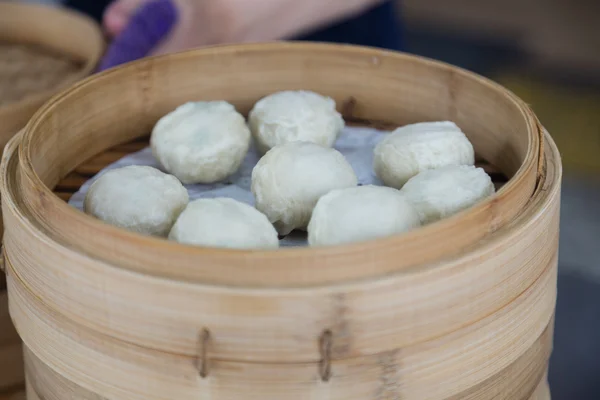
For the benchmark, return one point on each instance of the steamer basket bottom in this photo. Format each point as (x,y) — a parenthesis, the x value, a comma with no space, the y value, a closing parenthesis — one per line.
(525,379)
(542,392)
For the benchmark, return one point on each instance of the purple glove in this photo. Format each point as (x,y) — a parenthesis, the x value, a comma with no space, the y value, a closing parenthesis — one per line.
(147,27)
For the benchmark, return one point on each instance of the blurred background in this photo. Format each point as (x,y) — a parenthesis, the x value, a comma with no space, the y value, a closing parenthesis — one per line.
(548,53)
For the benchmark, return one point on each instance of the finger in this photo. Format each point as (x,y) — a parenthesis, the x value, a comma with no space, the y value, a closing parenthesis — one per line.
(148,26)
(118,13)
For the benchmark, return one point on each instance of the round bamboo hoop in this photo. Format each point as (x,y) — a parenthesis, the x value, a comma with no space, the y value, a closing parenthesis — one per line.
(396,317)
(65,32)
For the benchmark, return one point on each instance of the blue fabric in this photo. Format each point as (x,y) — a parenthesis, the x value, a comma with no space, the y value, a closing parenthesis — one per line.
(145,31)
(378,27)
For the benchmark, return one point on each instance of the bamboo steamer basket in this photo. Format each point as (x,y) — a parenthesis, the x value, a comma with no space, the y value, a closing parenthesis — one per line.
(59,30)
(395,318)
(64,32)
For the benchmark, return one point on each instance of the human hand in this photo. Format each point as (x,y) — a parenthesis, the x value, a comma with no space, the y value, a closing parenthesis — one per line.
(138,27)
(148,27)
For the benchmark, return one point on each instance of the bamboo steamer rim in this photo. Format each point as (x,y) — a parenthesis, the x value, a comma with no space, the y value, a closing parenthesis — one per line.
(21,16)
(263,261)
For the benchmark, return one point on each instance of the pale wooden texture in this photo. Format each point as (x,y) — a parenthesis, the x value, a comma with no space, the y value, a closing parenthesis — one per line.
(416,371)
(407,319)
(512,383)
(140,310)
(61,31)
(123,104)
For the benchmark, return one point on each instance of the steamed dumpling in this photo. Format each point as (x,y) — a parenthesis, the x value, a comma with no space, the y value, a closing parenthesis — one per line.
(225,223)
(360,213)
(289,180)
(419,147)
(290,116)
(201,142)
(440,193)
(138,198)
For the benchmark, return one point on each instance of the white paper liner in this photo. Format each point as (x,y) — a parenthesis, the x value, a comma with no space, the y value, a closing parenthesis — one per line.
(355,143)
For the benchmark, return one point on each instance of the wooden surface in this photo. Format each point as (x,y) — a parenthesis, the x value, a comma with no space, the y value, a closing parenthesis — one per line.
(359,321)
(439,368)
